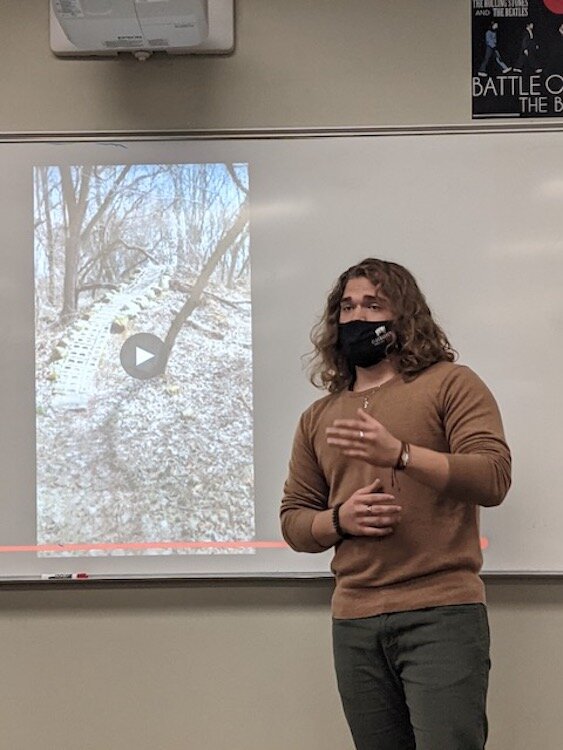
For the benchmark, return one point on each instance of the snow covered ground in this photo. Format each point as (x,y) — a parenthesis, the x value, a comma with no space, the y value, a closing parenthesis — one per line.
(167,459)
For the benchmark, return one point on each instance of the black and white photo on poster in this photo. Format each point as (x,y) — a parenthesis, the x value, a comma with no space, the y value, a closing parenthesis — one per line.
(517,51)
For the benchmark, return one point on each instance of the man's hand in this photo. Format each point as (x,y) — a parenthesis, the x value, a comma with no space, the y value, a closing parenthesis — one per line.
(369,512)
(364,438)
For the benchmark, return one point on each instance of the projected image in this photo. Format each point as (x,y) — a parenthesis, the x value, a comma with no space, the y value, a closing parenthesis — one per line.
(143,358)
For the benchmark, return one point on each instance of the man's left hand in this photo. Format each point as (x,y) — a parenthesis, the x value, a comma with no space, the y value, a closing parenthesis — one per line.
(364,438)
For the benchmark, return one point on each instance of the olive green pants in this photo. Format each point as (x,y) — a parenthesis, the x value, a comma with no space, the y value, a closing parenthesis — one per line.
(415,680)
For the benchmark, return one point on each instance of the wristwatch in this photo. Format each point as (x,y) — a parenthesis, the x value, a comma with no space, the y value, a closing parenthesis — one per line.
(404,457)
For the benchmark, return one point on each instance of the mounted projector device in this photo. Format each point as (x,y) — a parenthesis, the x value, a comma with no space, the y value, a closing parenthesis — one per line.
(106,27)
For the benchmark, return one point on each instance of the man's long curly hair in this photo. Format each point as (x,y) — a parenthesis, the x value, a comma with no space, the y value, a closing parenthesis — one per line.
(420,342)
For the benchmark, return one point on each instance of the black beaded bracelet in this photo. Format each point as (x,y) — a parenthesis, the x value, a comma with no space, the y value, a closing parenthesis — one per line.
(336,523)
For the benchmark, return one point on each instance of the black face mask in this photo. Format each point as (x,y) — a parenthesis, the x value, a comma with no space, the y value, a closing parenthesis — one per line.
(365,343)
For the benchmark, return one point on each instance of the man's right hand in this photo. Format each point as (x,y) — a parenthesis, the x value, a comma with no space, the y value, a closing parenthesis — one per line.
(370,512)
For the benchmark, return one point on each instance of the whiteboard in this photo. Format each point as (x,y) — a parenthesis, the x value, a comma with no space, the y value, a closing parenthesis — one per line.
(474,214)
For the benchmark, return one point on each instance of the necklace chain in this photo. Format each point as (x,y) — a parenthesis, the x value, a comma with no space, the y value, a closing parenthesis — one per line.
(367,398)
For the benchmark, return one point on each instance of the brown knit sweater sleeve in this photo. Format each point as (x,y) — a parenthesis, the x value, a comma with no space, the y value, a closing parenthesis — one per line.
(305,492)
(479,458)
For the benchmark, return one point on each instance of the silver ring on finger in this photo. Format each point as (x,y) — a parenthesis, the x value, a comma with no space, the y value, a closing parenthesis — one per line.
(361,434)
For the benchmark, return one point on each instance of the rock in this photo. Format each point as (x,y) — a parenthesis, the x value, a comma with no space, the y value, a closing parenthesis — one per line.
(119,325)
(57,354)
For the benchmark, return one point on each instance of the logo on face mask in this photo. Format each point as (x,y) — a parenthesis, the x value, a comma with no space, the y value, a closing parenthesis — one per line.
(364,343)
(380,335)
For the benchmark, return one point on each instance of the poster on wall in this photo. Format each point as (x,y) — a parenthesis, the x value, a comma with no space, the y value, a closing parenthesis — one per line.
(517,58)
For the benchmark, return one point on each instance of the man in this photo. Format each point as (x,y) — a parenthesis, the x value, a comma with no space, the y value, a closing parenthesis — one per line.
(528,57)
(491,51)
(390,469)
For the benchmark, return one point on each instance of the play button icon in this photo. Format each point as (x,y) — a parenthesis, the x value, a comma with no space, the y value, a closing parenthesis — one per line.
(141,356)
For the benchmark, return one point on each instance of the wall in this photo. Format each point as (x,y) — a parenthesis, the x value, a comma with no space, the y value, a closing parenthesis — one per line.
(241,665)
(296,64)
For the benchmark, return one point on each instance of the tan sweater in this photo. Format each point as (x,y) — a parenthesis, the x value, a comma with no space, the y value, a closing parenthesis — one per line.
(433,557)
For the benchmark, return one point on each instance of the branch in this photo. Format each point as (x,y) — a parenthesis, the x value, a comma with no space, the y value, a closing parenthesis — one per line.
(101,285)
(180,286)
(235,178)
(226,241)
(104,204)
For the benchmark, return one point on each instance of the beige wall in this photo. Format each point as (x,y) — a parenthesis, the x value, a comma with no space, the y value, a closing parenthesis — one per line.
(297,63)
(241,666)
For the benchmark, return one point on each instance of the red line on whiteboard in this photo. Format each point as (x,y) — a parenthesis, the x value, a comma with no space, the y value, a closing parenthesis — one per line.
(108,547)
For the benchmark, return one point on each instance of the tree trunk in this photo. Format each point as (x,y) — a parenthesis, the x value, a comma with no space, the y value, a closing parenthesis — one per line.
(222,247)
(75,202)
(49,241)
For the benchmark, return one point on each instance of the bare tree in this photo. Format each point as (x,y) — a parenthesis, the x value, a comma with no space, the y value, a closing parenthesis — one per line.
(228,238)
(81,219)
(95,224)
(75,199)
(44,231)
